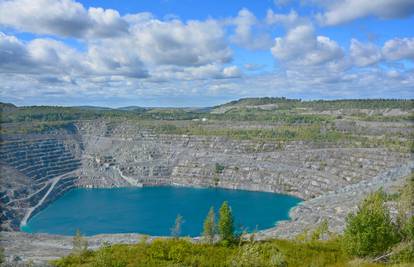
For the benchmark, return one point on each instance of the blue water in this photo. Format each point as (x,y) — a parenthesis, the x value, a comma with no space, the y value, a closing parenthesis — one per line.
(152,210)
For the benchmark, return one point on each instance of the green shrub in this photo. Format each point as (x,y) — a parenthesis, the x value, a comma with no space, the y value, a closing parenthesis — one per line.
(218,168)
(259,255)
(370,231)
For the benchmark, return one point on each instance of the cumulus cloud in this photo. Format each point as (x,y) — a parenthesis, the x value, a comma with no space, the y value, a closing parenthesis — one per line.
(399,48)
(49,56)
(194,43)
(231,72)
(114,60)
(149,44)
(52,56)
(342,11)
(248,32)
(61,17)
(301,46)
(13,54)
(363,55)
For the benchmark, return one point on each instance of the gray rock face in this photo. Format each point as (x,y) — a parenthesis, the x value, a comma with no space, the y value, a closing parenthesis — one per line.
(41,248)
(34,172)
(335,206)
(331,178)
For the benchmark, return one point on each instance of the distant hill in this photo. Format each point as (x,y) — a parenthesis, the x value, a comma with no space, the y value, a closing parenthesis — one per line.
(253,101)
(91,108)
(133,108)
(284,103)
(6,107)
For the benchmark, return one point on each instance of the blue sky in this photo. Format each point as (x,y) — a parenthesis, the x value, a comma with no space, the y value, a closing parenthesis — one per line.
(201,53)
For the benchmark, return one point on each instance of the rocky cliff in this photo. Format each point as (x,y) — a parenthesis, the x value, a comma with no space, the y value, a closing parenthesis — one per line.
(38,168)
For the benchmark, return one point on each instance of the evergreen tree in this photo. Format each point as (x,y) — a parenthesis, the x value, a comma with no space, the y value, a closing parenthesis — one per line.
(176,229)
(210,226)
(226,223)
(80,244)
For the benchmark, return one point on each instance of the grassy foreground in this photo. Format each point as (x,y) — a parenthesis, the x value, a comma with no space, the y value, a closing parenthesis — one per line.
(180,252)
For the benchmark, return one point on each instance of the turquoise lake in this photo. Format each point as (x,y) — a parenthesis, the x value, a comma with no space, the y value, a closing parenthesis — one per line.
(152,210)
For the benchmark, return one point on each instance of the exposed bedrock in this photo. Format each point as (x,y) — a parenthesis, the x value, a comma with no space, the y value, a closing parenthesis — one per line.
(36,169)
(335,206)
(302,169)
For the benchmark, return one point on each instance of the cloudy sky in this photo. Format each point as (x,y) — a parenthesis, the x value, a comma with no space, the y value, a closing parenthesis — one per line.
(201,53)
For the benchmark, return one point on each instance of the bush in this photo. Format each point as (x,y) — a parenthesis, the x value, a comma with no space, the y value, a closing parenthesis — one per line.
(259,255)
(218,168)
(370,232)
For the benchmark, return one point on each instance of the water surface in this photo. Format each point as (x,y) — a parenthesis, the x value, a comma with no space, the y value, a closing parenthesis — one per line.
(152,210)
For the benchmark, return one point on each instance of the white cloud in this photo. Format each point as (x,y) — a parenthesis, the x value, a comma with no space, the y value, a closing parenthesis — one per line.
(301,46)
(399,48)
(249,32)
(104,59)
(54,57)
(205,72)
(231,72)
(195,43)
(342,11)
(51,57)
(106,22)
(13,54)
(289,19)
(149,44)
(363,55)
(393,74)
(61,17)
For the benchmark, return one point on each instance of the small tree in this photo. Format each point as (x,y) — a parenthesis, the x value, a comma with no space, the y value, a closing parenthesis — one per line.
(209,227)
(80,244)
(176,229)
(226,223)
(218,168)
(370,232)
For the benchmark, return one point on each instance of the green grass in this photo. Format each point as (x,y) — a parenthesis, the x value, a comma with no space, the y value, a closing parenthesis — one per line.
(181,252)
